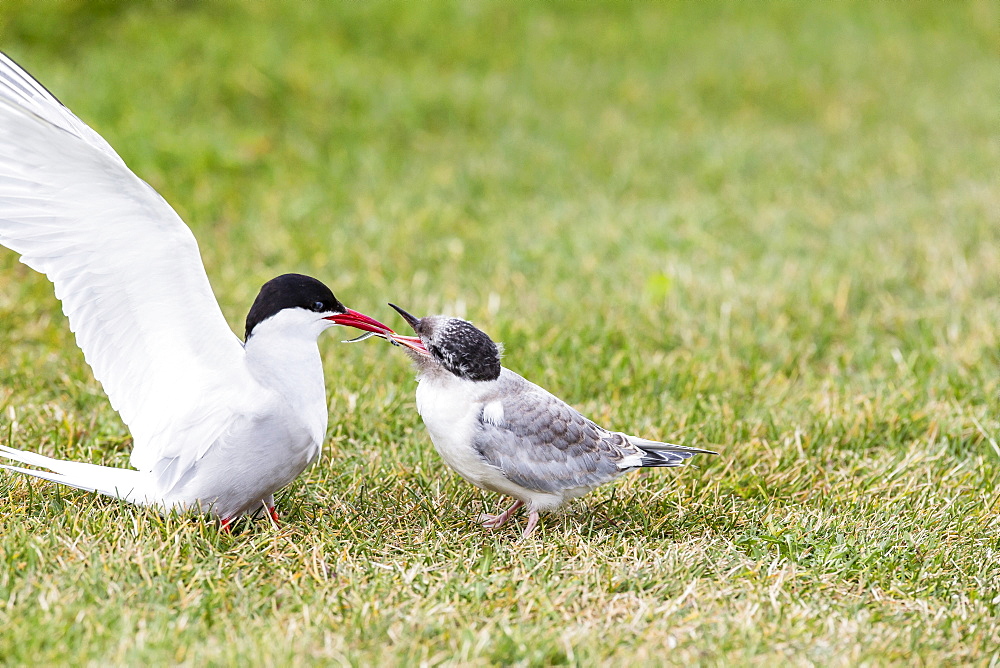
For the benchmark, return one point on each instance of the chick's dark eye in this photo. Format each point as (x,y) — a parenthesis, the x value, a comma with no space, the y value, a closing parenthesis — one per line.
(318,307)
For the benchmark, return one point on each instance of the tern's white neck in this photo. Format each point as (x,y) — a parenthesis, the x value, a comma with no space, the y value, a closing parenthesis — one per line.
(282,355)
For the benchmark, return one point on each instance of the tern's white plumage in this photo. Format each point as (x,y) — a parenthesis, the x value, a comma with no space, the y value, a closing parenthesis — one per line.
(506,434)
(216,423)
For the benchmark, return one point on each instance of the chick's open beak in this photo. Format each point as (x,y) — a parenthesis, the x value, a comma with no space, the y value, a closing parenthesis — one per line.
(411,320)
(412,342)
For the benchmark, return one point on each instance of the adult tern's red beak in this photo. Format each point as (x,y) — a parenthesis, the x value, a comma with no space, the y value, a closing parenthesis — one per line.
(360,321)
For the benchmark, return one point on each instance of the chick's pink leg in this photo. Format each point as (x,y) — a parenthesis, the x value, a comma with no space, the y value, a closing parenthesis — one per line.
(532,523)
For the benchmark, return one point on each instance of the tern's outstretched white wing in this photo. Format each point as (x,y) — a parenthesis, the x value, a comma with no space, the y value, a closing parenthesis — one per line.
(125,266)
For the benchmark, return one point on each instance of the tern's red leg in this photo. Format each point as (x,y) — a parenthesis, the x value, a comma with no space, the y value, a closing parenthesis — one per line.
(226,525)
(274,515)
(497,521)
(532,523)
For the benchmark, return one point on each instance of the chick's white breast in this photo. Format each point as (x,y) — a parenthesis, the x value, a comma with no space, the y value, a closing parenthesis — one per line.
(450,411)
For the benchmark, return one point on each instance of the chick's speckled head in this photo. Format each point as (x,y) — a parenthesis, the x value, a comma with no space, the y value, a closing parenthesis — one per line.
(456,345)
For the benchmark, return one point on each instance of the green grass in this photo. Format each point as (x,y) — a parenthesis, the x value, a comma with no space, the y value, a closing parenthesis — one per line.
(772,229)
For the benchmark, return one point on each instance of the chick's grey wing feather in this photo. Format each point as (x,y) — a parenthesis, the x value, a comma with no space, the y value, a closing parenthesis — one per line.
(543,444)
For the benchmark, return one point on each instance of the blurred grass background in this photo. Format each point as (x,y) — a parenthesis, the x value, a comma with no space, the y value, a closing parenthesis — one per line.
(769,228)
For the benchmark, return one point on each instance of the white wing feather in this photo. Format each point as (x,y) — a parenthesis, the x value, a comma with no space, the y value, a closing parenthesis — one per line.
(125,266)
(24,91)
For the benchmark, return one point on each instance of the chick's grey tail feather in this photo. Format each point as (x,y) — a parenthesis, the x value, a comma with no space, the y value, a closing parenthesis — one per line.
(655,453)
(659,458)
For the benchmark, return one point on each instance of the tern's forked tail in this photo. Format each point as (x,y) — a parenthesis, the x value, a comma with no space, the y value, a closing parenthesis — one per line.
(126,484)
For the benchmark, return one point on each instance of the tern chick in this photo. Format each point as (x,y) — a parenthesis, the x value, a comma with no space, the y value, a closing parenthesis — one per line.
(218,424)
(504,433)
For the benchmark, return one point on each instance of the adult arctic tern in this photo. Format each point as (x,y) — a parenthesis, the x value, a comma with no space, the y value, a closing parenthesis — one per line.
(217,424)
(503,433)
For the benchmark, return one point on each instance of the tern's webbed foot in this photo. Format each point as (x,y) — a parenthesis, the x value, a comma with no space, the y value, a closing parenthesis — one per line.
(492,521)
(497,521)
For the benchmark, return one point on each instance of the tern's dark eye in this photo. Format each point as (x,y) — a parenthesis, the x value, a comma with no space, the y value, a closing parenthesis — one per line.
(319,307)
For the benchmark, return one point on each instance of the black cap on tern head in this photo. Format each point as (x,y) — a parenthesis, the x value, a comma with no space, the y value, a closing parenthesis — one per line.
(457,345)
(291,291)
